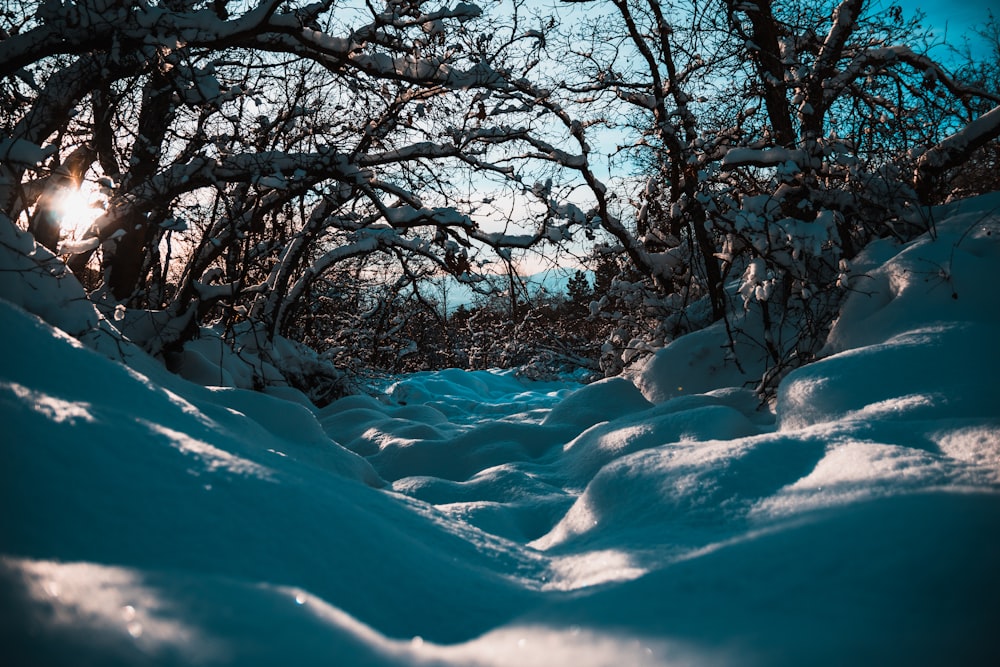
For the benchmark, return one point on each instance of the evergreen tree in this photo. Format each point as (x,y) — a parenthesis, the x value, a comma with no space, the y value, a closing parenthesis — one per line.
(580,295)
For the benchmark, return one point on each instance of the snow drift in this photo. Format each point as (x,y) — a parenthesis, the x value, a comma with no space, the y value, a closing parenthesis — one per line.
(476,519)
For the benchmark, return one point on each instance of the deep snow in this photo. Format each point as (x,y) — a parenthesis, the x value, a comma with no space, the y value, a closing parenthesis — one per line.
(476,519)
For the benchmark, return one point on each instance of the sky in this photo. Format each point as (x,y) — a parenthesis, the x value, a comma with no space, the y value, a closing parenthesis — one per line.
(961,15)
(954,19)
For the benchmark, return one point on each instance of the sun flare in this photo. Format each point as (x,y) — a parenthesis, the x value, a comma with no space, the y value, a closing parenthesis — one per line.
(77,209)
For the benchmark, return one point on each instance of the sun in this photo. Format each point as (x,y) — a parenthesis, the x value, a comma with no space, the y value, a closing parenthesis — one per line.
(77,208)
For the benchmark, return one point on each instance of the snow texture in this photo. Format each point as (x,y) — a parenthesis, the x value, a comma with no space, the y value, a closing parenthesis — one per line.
(477,519)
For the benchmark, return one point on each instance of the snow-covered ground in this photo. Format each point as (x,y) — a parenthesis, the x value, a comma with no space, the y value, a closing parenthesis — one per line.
(475,519)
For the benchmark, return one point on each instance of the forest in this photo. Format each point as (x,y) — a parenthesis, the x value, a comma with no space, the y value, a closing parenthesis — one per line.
(236,172)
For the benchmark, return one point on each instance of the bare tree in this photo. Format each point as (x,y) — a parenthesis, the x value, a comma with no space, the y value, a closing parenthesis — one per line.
(248,152)
(778,137)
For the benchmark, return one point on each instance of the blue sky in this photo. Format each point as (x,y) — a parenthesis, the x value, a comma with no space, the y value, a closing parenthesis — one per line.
(954,18)
(960,14)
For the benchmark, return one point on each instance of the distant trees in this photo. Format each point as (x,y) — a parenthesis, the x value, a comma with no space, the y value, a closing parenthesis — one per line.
(579,292)
(395,327)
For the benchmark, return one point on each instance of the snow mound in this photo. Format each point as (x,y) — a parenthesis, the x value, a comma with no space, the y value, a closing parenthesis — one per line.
(925,318)
(598,446)
(696,363)
(476,518)
(601,401)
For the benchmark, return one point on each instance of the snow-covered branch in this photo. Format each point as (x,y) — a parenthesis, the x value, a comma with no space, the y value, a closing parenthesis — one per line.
(956,149)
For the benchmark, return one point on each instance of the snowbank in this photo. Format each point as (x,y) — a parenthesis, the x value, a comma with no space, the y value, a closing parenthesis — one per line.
(475,519)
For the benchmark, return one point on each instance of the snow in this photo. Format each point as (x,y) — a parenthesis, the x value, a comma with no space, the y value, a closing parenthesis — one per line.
(23,153)
(969,138)
(766,157)
(475,518)
(32,278)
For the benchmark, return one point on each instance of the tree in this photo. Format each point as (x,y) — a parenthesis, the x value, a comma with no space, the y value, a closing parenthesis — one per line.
(579,293)
(263,163)
(976,168)
(247,151)
(777,137)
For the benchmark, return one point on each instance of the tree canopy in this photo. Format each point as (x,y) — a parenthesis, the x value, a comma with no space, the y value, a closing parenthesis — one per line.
(300,171)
